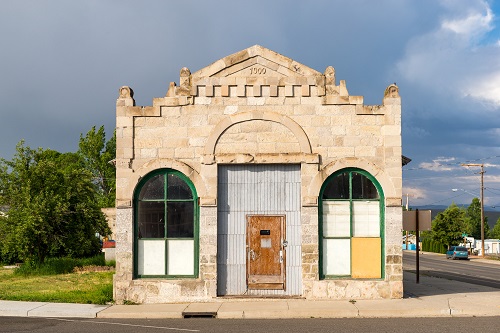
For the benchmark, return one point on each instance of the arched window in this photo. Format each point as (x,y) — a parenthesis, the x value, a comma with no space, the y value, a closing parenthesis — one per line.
(165,226)
(351,226)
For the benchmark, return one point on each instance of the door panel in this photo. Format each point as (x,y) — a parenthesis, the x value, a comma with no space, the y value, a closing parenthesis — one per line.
(240,193)
(266,252)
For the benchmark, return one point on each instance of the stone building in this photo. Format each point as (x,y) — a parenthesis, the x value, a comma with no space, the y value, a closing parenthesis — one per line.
(258,176)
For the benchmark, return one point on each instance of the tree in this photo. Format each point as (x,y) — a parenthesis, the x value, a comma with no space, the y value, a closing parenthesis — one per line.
(474,215)
(53,208)
(448,226)
(97,155)
(495,232)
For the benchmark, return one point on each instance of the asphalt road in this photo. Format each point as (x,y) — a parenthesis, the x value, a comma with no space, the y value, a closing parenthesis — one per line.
(470,271)
(414,325)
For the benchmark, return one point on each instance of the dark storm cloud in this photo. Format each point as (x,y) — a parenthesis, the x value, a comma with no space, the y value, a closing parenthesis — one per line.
(63,62)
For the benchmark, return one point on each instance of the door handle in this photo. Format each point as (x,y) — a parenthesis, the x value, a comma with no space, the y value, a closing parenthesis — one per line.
(281,256)
(251,253)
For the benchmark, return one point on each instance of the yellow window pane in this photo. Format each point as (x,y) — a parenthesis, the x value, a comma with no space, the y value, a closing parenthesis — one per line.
(366,258)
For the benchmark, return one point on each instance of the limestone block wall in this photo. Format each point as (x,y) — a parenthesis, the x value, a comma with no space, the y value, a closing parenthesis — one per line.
(257,106)
(110,214)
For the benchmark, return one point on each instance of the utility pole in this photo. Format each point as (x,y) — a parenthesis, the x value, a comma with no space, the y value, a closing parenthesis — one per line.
(482,203)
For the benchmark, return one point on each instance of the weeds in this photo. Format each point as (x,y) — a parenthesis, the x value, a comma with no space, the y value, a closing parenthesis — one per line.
(54,266)
(65,280)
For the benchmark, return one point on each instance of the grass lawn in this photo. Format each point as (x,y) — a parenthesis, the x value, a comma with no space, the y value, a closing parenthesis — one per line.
(86,287)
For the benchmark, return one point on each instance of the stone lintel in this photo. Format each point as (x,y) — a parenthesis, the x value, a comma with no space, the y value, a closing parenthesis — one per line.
(123,204)
(393,202)
(277,158)
(309,201)
(208,202)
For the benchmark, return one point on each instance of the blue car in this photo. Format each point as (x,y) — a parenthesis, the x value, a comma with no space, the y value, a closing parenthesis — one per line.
(457,252)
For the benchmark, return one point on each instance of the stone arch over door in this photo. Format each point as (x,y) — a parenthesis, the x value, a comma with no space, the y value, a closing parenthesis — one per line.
(296,129)
(257,137)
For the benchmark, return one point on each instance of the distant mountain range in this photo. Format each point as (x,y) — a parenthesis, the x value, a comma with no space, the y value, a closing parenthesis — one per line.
(492,213)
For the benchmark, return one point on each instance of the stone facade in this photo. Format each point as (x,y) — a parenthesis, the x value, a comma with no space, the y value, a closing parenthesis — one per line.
(110,214)
(257,106)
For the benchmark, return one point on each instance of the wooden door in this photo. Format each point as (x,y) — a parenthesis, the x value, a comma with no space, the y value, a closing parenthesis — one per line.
(266,257)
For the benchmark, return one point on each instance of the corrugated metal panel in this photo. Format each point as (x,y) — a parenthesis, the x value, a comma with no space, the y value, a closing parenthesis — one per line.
(256,189)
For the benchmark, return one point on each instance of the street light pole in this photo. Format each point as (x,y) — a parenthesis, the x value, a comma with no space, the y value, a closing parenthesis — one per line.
(482,204)
(407,233)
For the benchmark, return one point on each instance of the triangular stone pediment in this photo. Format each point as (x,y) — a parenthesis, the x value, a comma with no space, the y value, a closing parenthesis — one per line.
(255,61)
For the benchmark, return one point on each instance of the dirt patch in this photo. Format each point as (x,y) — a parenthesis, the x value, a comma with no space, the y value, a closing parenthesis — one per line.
(92,268)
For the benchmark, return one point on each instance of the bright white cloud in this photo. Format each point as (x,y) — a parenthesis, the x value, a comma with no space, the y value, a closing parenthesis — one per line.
(451,59)
(413,193)
(487,88)
(471,25)
(439,164)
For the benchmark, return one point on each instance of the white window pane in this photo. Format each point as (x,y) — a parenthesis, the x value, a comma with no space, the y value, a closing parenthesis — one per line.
(337,256)
(366,218)
(151,257)
(336,219)
(180,257)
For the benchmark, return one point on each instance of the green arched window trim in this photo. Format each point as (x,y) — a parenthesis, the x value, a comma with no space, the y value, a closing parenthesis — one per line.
(195,237)
(381,200)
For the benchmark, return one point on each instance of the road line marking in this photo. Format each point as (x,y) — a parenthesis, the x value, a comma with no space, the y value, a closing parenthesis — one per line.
(122,324)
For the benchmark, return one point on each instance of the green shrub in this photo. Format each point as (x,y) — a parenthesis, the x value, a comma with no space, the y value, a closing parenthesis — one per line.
(97,260)
(54,266)
(111,263)
(429,245)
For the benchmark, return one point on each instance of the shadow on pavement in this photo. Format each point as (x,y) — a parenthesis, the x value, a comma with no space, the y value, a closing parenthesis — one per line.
(433,283)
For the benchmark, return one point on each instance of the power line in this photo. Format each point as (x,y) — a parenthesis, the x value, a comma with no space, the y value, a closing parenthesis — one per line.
(446,199)
(452,164)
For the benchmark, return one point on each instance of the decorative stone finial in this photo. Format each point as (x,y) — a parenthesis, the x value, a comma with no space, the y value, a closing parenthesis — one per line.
(185,82)
(391,91)
(329,71)
(171,90)
(125,97)
(185,72)
(126,92)
(330,81)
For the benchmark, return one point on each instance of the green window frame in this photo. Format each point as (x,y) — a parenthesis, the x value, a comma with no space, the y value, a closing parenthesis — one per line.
(351,211)
(166,226)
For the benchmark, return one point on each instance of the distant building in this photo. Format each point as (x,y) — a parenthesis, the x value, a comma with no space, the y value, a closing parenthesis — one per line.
(491,246)
(258,176)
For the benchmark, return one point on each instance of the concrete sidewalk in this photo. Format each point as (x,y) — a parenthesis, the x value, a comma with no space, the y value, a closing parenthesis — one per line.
(432,297)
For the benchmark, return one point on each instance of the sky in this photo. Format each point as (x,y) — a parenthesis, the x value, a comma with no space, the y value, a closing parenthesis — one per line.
(62,63)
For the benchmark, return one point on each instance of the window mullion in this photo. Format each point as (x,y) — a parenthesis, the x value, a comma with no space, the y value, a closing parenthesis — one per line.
(165,187)
(350,205)
(351,220)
